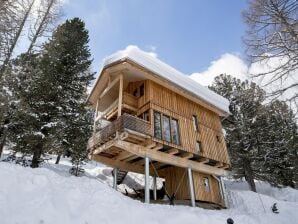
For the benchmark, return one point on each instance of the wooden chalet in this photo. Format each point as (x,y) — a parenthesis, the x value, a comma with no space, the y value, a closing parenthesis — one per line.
(154,120)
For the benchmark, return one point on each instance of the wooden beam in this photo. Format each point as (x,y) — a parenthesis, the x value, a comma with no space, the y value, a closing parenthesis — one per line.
(168,159)
(203,160)
(172,151)
(120,95)
(158,147)
(186,155)
(119,164)
(109,87)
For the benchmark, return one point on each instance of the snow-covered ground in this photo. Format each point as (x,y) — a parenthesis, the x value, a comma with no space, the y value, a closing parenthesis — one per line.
(51,195)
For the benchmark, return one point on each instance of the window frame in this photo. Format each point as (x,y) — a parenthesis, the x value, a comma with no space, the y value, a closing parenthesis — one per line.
(170,127)
(178,131)
(199,143)
(206,184)
(195,123)
(160,125)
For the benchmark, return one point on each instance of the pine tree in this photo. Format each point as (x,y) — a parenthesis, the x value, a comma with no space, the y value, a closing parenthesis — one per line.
(66,62)
(241,128)
(278,145)
(261,136)
(29,130)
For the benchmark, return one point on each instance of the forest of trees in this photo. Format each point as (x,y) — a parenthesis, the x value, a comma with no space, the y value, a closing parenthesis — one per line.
(43,90)
(262,137)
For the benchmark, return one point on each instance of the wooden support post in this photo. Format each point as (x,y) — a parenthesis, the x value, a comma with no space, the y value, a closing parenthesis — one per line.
(115,178)
(223,190)
(191,187)
(120,95)
(154,188)
(95,116)
(147,190)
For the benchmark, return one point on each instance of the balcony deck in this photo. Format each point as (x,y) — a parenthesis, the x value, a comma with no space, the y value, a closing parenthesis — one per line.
(126,122)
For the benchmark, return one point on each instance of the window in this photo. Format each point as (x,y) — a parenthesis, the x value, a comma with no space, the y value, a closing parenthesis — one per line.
(166,126)
(142,87)
(206,184)
(136,93)
(157,125)
(175,131)
(199,146)
(146,116)
(195,122)
(218,138)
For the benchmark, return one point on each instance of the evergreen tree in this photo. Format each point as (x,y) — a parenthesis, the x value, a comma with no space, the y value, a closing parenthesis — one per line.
(241,133)
(66,62)
(29,124)
(278,145)
(261,137)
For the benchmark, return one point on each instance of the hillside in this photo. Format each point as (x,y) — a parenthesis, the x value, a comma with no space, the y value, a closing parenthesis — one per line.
(51,195)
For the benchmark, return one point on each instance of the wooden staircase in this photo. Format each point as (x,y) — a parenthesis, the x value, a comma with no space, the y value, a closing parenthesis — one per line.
(121,175)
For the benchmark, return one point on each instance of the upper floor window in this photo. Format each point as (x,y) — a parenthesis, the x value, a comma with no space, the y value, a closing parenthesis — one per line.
(157,125)
(166,128)
(195,122)
(142,89)
(218,138)
(175,131)
(139,91)
(199,146)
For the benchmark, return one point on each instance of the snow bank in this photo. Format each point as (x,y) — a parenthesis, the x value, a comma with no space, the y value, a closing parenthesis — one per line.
(50,195)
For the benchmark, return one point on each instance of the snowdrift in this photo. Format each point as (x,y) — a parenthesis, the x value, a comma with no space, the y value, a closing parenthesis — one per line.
(52,196)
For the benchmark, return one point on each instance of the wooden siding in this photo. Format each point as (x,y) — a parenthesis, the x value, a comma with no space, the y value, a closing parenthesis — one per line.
(173,178)
(176,106)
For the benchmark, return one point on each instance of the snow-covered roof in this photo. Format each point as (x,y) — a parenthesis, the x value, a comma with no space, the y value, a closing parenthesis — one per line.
(152,63)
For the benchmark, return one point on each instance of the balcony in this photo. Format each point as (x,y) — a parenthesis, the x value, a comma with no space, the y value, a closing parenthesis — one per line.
(126,122)
(129,105)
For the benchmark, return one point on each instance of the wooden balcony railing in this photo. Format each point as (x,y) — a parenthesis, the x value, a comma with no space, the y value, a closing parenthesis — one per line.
(122,123)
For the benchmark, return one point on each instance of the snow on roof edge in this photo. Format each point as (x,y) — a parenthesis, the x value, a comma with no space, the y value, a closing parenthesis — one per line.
(164,70)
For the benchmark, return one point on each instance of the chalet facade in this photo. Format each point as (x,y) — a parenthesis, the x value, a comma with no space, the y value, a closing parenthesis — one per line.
(152,119)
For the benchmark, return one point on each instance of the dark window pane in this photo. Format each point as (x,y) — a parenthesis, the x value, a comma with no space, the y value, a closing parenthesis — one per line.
(157,125)
(175,132)
(146,116)
(142,88)
(166,132)
(135,93)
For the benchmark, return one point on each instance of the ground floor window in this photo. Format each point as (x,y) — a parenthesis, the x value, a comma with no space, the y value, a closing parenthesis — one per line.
(206,184)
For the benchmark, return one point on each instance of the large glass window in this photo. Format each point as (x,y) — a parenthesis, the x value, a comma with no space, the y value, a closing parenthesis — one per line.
(175,131)
(157,125)
(166,128)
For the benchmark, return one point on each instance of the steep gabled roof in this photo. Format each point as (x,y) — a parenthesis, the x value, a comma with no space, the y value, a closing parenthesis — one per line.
(172,75)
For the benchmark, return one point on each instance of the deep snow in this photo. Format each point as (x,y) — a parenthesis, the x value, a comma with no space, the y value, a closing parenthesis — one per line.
(51,195)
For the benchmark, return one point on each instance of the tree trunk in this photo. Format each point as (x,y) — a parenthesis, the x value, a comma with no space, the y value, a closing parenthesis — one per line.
(3,141)
(39,31)
(248,174)
(58,159)
(36,156)
(15,39)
